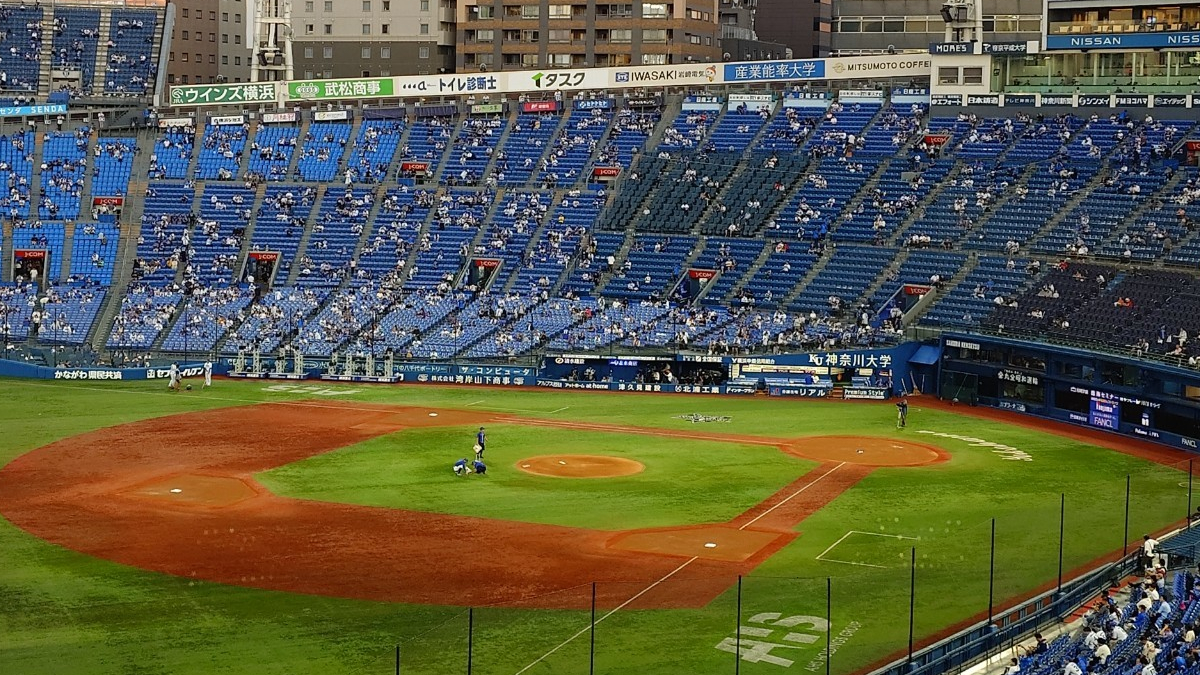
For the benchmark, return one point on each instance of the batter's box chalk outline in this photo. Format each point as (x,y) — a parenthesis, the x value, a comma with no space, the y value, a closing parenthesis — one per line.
(821,555)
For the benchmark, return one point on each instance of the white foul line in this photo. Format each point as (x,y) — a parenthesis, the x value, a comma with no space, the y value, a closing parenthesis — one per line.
(566,407)
(789,497)
(475,403)
(616,609)
(691,560)
(822,558)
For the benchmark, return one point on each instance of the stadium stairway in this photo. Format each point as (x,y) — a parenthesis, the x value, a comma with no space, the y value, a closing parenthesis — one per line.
(101,69)
(450,144)
(6,237)
(43,88)
(1067,209)
(981,223)
(295,160)
(748,273)
(917,312)
(67,250)
(860,195)
(601,142)
(302,246)
(248,234)
(35,180)
(1133,218)
(489,169)
(131,229)
(807,279)
(915,216)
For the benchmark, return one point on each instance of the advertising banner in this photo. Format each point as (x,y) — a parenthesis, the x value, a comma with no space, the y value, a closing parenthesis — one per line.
(273,118)
(316,90)
(223,94)
(226,120)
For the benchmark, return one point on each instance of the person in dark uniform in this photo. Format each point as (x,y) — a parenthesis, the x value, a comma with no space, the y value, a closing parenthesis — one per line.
(902,413)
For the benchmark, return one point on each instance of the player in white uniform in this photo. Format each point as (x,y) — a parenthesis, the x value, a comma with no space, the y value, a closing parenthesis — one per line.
(208,373)
(173,376)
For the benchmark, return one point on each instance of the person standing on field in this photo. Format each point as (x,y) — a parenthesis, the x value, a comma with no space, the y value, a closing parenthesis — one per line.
(481,441)
(208,373)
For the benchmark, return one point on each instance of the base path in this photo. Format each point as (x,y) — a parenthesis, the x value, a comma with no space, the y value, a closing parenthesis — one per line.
(177,495)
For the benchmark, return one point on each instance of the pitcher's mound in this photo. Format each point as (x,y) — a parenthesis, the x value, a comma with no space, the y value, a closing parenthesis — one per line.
(580,466)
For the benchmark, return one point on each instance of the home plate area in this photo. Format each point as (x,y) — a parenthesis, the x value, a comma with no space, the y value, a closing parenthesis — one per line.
(709,542)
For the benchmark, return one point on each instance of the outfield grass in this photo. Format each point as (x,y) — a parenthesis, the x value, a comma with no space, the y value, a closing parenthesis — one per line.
(65,612)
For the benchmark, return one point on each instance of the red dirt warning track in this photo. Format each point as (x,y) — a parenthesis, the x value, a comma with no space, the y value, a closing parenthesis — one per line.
(108,493)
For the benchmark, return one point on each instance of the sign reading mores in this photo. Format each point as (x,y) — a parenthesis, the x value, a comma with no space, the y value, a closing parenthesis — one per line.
(223,94)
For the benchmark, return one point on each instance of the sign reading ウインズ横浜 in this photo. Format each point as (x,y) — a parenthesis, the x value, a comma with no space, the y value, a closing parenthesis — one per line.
(223,94)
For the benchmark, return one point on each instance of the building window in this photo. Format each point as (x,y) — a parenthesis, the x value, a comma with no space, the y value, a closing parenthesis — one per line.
(212,58)
(947,75)
(385,52)
(422,52)
(916,25)
(560,35)
(695,14)
(172,57)
(529,60)
(654,59)
(224,38)
(328,29)
(560,11)
(973,76)
(328,73)
(385,28)
(654,35)
(184,57)
(654,10)
(694,39)
(620,35)
(614,10)
(224,60)
(212,37)
(366,5)
(485,59)
(424,5)
(560,61)
(387,5)
(212,16)
(366,29)
(183,79)
(308,7)
(309,29)
(237,39)
(308,74)
(185,35)
(385,72)
(308,52)
(328,5)
(327,52)
(485,12)
(237,60)
(185,12)
(530,11)
(366,52)
(237,18)
(424,29)
(225,15)
(708,40)
(485,35)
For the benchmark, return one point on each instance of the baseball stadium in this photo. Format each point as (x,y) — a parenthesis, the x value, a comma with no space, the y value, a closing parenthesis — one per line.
(880,362)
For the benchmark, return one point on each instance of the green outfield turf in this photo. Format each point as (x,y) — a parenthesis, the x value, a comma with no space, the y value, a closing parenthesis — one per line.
(65,612)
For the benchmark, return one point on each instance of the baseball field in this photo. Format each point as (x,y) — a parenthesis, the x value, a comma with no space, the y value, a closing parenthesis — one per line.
(261,527)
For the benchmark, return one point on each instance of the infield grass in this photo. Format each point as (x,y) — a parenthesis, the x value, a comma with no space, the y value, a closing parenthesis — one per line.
(61,611)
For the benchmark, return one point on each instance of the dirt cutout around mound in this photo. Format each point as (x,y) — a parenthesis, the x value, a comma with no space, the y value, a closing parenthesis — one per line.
(866,451)
(580,466)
